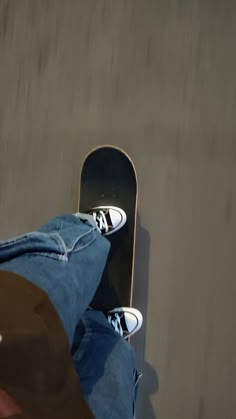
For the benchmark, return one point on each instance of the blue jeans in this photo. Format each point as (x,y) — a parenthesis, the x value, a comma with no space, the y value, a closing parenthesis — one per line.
(66,258)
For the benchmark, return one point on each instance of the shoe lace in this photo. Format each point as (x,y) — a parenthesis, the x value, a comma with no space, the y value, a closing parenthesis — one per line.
(101,220)
(114,320)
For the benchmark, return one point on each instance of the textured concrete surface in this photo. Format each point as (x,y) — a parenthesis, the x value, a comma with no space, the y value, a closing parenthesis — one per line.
(158,79)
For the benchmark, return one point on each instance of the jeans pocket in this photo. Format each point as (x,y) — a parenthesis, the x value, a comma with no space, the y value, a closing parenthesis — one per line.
(34,243)
(73,241)
(72,233)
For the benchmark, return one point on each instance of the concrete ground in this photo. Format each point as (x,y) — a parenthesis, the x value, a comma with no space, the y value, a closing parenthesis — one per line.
(156,77)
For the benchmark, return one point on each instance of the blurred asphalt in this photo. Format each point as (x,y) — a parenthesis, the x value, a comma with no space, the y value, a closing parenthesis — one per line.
(157,78)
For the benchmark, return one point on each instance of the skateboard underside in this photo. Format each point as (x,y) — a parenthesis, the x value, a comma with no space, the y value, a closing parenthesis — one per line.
(108,178)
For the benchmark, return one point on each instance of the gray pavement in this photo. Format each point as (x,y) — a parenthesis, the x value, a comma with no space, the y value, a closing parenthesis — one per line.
(158,79)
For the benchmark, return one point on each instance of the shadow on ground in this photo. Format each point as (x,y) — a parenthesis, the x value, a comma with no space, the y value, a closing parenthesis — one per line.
(148,386)
(149,382)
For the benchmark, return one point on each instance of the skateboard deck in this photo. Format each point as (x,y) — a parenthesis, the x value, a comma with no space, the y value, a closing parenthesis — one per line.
(108,177)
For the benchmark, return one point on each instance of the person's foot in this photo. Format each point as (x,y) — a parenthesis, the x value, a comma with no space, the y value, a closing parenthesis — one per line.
(109,219)
(125,320)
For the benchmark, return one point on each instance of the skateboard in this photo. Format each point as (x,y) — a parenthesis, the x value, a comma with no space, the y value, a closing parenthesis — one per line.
(108,177)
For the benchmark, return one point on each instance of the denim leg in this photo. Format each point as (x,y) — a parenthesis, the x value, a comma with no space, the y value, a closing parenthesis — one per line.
(65,258)
(106,366)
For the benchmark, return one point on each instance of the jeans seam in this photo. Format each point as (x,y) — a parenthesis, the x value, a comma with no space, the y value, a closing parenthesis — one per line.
(85,245)
(22,237)
(62,246)
(137,376)
(55,256)
(71,249)
(60,242)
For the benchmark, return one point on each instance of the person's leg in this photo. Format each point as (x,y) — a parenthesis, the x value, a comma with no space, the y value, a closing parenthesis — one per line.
(106,365)
(65,258)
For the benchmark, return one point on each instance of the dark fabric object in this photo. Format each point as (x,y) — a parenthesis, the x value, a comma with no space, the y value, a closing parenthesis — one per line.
(36,368)
(8,407)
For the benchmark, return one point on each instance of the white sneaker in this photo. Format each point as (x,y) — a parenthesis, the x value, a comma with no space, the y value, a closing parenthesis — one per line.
(125,320)
(108,219)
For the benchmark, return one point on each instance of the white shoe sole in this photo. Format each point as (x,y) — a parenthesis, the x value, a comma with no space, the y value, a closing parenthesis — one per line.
(135,313)
(120,210)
